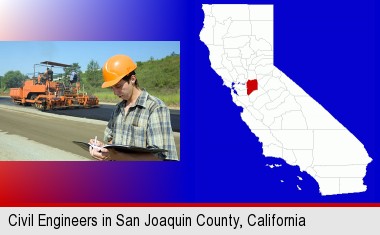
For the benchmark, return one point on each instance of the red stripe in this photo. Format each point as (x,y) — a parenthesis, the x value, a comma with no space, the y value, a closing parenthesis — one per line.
(190,205)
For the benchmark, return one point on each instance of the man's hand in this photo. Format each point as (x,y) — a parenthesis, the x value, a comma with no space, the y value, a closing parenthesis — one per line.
(97,151)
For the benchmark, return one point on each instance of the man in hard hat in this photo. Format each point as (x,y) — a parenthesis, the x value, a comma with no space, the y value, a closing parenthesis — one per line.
(139,120)
(48,74)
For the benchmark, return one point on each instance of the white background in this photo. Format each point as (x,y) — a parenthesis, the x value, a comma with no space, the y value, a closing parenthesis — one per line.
(327,220)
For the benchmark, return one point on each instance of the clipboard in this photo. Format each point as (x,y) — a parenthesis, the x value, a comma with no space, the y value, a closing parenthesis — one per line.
(122,148)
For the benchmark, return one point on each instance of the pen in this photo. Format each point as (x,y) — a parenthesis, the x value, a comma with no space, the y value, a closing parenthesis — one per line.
(95,144)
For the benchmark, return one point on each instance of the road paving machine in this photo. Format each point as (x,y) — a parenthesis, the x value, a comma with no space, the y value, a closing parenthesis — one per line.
(47,91)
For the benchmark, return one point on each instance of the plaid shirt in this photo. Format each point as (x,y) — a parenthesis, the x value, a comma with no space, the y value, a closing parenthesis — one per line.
(146,124)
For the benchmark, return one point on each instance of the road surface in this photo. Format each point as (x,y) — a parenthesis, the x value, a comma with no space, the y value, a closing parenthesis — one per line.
(29,134)
(102,113)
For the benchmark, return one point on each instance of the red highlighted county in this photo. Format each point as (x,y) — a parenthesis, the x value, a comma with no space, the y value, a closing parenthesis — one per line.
(251,86)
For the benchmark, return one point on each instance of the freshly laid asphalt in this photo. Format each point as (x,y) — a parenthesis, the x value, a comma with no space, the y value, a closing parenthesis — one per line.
(103,112)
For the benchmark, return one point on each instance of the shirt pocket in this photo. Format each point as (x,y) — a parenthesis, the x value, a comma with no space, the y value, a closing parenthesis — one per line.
(136,136)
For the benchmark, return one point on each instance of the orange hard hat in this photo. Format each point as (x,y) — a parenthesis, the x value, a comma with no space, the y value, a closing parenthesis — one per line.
(115,68)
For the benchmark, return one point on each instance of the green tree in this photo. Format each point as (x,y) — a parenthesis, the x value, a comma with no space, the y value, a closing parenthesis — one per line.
(94,74)
(14,79)
(1,82)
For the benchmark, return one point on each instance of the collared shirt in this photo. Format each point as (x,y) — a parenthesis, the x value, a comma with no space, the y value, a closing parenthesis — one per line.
(146,124)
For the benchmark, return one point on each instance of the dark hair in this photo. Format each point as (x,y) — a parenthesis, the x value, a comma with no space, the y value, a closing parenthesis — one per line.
(127,78)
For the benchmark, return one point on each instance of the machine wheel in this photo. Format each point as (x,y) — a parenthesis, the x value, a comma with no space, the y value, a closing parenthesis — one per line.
(32,98)
(44,105)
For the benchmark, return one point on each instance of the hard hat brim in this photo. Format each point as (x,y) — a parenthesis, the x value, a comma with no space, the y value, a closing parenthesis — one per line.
(111,83)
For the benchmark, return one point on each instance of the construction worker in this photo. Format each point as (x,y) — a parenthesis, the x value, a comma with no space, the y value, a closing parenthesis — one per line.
(139,120)
(73,77)
(41,79)
(48,74)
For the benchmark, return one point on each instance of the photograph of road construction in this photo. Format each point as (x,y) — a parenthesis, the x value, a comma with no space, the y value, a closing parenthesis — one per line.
(54,96)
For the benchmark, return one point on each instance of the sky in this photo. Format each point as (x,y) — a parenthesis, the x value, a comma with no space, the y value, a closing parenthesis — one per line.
(23,55)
